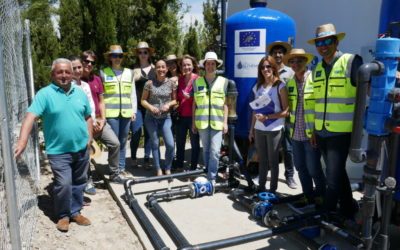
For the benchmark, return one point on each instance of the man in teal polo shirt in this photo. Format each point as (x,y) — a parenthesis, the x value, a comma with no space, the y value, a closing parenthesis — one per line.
(67,128)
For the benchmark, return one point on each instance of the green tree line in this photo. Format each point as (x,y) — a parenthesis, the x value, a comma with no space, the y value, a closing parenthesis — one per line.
(97,24)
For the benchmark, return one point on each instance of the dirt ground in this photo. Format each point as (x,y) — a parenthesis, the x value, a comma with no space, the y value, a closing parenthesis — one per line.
(109,229)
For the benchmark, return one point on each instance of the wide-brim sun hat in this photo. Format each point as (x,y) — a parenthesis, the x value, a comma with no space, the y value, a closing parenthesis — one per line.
(171,57)
(297,53)
(143,45)
(326,30)
(211,56)
(114,49)
(270,46)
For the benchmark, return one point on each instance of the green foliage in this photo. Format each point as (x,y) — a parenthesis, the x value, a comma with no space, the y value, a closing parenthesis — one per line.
(212,26)
(44,41)
(70,24)
(191,42)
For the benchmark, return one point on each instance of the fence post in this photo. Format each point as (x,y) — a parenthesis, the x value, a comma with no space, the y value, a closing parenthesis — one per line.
(31,94)
(9,163)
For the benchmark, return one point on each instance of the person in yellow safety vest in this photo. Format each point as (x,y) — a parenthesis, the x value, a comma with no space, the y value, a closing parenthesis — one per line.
(307,158)
(334,85)
(119,98)
(210,111)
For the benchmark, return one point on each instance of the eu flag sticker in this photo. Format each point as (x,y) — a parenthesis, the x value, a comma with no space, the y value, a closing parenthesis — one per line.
(249,39)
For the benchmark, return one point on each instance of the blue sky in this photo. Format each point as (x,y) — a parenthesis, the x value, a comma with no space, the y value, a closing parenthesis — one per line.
(195,12)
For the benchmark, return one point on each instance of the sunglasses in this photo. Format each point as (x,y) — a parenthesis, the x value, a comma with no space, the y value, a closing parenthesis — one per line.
(266,67)
(326,42)
(143,52)
(115,56)
(292,61)
(89,62)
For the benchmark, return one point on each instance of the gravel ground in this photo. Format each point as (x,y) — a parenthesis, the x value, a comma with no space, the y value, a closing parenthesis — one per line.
(109,229)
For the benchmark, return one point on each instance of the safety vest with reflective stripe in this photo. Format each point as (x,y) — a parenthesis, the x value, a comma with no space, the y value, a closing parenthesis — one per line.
(334,96)
(308,104)
(209,103)
(117,94)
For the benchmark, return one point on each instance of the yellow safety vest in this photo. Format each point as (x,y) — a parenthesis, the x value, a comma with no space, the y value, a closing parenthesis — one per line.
(209,103)
(334,96)
(308,104)
(117,94)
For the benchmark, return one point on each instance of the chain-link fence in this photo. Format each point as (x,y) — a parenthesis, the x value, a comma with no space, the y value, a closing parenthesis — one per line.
(18,180)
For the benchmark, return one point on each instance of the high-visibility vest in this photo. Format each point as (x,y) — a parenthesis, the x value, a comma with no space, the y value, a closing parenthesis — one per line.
(117,94)
(308,105)
(334,96)
(209,103)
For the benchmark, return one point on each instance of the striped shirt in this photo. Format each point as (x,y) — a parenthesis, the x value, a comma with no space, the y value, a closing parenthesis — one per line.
(299,133)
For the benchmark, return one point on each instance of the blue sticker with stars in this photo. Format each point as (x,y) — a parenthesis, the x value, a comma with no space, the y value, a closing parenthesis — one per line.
(318,73)
(249,39)
(200,88)
(291,89)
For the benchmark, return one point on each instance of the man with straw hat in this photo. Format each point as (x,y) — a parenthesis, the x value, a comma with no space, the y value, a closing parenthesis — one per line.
(334,84)
(277,50)
(301,105)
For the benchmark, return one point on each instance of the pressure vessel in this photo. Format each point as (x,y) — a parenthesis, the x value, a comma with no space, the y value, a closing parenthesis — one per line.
(247,34)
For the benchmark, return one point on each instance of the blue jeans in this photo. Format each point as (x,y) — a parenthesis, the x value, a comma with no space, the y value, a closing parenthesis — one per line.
(308,163)
(120,126)
(136,128)
(153,126)
(184,125)
(70,176)
(287,153)
(211,140)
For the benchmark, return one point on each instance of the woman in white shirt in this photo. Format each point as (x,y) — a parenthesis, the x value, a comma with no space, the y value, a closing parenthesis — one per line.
(268,121)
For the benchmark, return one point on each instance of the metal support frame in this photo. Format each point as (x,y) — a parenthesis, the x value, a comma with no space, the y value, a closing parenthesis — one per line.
(31,95)
(9,164)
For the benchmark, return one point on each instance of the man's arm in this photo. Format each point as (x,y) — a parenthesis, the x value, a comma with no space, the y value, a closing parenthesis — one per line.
(26,129)
(89,124)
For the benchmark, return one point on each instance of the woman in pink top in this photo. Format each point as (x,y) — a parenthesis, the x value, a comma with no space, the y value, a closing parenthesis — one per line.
(189,69)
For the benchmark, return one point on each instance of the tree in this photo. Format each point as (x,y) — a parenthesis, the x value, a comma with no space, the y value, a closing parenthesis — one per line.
(44,41)
(71,21)
(191,42)
(212,25)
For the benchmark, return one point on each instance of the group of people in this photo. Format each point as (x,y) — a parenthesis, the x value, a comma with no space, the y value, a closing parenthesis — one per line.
(170,99)
(316,107)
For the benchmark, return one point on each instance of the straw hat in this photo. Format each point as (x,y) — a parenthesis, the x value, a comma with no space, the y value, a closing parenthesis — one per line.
(211,56)
(114,49)
(171,58)
(297,53)
(95,151)
(143,45)
(287,46)
(326,30)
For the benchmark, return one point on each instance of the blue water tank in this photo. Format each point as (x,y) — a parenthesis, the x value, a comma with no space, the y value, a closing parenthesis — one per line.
(389,13)
(248,33)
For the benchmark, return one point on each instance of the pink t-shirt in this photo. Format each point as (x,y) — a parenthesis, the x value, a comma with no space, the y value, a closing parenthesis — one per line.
(96,86)
(185,104)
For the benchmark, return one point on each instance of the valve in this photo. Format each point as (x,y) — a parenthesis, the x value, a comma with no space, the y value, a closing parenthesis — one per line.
(201,186)
(272,219)
(260,209)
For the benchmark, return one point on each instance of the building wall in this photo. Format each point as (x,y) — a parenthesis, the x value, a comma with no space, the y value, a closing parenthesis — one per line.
(359,19)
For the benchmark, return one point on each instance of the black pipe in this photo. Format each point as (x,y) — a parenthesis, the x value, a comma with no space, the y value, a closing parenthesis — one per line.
(306,241)
(356,153)
(144,221)
(251,237)
(390,185)
(173,231)
(166,177)
(343,234)
(169,194)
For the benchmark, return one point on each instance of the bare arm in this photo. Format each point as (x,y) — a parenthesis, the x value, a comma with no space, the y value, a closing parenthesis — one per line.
(253,122)
(26,130)
(89,124)
(194,129)
(226,110)
(133,100)
(147,105)
(172,103)
(285,107)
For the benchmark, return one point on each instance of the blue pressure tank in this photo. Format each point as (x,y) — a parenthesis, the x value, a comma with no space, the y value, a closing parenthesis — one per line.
(248,33)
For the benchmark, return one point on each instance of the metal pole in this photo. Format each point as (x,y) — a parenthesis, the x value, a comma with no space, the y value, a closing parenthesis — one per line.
(31,95)
(9,163)
(223,33)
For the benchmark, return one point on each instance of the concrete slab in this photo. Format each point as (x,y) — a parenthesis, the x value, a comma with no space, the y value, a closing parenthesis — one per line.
(208,218)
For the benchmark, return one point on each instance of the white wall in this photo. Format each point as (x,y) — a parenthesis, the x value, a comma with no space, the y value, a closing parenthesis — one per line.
(359,19)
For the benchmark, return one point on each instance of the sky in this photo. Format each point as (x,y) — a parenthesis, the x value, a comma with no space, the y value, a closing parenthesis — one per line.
(195,12)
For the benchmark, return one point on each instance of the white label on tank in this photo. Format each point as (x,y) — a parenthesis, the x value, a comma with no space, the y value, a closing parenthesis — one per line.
(246,65)
(250,41)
